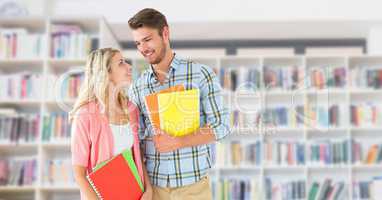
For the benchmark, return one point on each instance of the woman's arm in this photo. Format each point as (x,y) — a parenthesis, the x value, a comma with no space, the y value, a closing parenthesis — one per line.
(85,187)
(148,194)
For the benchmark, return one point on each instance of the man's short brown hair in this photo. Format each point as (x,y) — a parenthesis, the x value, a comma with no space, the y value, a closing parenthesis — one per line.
(148,17)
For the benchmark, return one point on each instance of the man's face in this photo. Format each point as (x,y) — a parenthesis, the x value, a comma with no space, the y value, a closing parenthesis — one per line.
(150,44)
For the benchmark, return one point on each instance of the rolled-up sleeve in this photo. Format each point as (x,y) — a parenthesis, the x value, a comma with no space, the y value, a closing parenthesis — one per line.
(80,141)
(216,113)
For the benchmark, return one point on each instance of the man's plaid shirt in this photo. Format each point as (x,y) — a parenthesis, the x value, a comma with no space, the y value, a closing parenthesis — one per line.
(186,165)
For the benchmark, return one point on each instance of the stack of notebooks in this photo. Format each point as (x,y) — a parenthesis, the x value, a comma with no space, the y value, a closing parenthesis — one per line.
(123,173)
(174,110)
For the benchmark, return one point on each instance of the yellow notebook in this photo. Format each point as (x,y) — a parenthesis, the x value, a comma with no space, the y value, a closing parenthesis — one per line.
(179,112)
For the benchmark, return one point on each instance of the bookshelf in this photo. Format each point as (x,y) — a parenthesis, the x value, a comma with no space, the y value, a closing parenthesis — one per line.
(339,94)
(51,154)
(255,99)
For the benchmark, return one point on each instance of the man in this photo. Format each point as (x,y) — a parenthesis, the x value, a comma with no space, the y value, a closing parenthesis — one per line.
(177,166)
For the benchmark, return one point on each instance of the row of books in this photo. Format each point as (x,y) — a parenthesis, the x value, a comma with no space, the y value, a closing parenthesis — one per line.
(284,116)
(328,152)
(237,153)
(241,78)
(366,77)
(284,190)
(58,172)
(327,77)
(283,77)
(362,189)
(19,128)
(24,85)
(327,190)
(284,153)
(236,188)
(368,189)
(373,154)
(326,116)
(56,127)
(71,85)
(366,115)
(242,120)
(69,42)
(18,171)
(18,43)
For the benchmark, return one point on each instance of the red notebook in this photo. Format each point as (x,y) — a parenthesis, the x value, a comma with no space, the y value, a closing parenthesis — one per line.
(115,181)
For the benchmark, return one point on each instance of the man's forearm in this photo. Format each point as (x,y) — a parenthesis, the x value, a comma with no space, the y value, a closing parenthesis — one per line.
(204,135)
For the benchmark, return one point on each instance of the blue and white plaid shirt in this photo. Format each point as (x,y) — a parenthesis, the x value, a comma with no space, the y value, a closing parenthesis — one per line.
(186,165)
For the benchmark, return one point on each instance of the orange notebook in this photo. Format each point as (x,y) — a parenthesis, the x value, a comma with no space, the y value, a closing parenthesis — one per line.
(115,181)
(151,102)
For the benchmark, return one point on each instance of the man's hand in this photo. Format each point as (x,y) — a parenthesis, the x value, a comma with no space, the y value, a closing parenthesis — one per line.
(165,143)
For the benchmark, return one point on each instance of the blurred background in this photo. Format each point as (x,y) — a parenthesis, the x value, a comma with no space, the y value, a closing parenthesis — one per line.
(302,79)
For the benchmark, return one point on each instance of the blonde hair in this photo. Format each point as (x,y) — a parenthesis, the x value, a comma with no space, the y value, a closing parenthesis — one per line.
(96,80)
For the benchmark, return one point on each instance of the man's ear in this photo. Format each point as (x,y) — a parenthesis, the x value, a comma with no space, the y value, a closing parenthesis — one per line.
(166,33)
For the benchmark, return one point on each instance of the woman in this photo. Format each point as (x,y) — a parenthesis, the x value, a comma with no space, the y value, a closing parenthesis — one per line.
(105,122)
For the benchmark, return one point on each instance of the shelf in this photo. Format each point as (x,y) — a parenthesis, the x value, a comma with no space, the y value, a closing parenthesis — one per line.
(69,188)
(21,64)
(27,102)
(56,145)
(328,167)
(284,167)
(17,188)
(66,63)
(242,168)
(367,167)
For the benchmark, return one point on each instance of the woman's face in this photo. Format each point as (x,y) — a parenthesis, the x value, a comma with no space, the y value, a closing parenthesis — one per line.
(120,74)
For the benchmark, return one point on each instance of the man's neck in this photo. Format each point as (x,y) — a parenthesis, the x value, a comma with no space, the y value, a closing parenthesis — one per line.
(161,69)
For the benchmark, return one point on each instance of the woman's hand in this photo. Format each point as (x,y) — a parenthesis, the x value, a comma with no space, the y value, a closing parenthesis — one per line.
(148,194)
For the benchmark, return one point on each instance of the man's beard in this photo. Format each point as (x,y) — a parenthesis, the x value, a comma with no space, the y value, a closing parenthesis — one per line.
(161,55)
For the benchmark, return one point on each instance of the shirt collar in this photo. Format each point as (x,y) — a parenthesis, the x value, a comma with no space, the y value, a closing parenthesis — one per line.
(173,66)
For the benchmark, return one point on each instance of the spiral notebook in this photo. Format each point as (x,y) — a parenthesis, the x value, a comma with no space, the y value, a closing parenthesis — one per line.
(117,179)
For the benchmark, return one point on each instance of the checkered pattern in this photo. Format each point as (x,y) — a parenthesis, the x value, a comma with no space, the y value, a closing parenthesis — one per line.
(187,165)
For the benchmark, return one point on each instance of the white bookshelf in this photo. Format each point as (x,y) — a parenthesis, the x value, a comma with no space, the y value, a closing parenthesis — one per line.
(44,151)
(347,172)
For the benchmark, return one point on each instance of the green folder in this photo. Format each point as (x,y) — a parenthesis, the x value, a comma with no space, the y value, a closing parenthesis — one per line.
(128,155)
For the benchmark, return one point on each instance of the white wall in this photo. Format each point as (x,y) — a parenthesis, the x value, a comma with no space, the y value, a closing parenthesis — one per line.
(118,11)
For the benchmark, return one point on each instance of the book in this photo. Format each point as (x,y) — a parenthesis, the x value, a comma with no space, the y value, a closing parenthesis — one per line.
(283,77)
(18,128)
(18,171)
(291,189)
(179,112)
(283,116)
(366,77)
(70,42)
(237,188)
(151,102)
(326,152)
(327,77)
(56,127)
(121,170)
(362,189)
(242,121)
(19,43)
(21,86)
(325,116)
(366,115)
(284,153)
(58,172)
(243,78)
(327,190)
